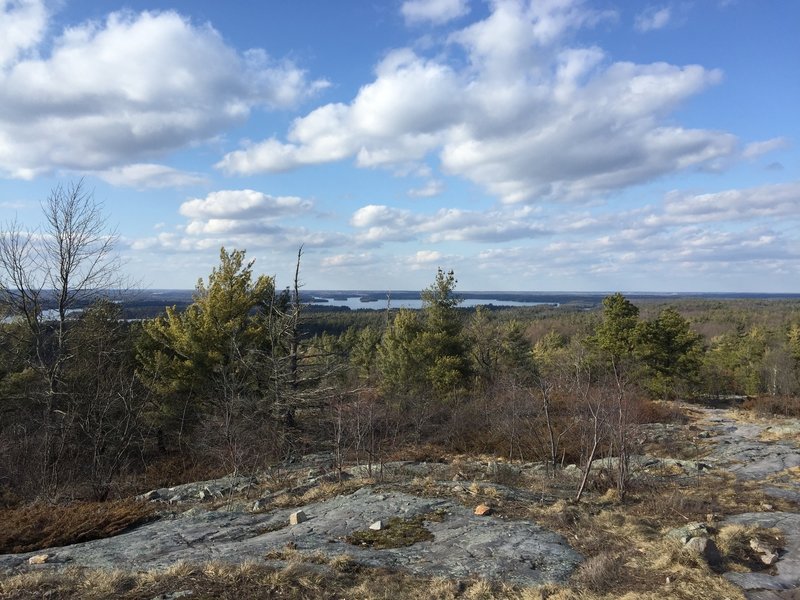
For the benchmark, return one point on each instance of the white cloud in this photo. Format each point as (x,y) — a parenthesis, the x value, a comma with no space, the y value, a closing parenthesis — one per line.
(436,12)
(22,25)
(243,205)
(756,149)
(149,175)
(241,219)
(434,187)
(652,18)
(135,86)
(426,257)
(380,224)
(526,116)
(740,205)
(347,260)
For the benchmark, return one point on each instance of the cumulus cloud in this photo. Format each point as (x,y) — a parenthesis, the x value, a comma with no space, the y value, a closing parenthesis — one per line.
(149,175)
(652,18)
(436,12)
(243,205)
(526,116)
(379,224)
(108,93)
(237,213)
(742,205)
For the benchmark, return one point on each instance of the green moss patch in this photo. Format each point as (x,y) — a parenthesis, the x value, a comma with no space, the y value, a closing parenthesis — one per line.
(398,533)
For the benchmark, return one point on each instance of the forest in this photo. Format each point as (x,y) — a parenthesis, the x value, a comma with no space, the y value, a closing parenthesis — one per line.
(95,407)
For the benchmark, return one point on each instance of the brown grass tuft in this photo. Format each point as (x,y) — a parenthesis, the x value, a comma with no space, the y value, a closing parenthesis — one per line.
(39,526)
(598,573)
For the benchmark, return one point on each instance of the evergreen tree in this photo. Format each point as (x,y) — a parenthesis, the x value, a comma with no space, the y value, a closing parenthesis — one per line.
(670,352)
(426,354)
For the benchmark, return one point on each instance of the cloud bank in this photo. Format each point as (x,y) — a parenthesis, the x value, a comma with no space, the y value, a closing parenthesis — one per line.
(124,90)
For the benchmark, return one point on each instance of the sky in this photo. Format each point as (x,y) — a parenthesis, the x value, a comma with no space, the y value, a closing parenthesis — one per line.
(543,145)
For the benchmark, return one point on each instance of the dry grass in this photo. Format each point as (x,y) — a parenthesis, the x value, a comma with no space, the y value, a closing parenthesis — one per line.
(340,578)
(598,573)
(39,526)
(783,406)
(319,493)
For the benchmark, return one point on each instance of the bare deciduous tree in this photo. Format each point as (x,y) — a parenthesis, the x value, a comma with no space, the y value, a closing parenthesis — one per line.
(44,274)
(64,263)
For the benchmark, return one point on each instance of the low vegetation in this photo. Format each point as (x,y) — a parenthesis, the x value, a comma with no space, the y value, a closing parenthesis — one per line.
(395,533)
(39,526)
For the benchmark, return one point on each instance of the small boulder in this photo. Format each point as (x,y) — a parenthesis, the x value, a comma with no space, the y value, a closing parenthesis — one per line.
(687,532)
(39,559)
(376,526)
(297,517)
(483,510)
(152,495)
(704,547)
(767,554)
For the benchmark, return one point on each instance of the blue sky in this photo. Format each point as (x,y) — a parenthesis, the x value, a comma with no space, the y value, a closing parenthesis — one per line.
(526,144)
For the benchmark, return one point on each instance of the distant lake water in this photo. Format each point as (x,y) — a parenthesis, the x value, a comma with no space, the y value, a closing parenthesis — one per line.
(355,303)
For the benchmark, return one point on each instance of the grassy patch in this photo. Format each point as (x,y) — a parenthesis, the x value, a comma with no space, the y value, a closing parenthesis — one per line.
(319,493)
(298,580)
(39,526)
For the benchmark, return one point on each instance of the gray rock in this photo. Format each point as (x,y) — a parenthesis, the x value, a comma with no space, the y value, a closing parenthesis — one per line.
(687,532)
(704,547)
(767,554)
(519,552)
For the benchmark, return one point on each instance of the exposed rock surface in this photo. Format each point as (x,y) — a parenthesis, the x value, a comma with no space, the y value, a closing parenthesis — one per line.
(786,575)
(745,449)
(200,490)
(463,544)
(739,448)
